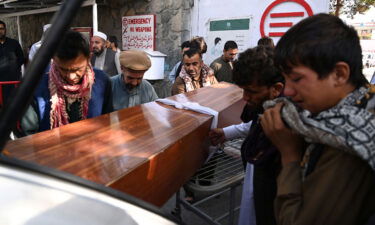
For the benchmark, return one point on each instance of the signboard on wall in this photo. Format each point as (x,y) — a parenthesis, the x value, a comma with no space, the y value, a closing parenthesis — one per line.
(86,33)
(280,15)
(221,31)
(269,17)
(138,32)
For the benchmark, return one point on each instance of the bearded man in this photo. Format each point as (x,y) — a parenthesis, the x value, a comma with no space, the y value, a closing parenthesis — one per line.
(11,60)
(104,58)
(129,88)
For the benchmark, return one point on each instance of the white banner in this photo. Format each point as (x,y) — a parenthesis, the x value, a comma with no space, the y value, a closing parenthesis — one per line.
(138,32)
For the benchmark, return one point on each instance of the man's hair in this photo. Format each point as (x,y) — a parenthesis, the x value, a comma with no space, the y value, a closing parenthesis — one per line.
(185,44)
(230,45)
(72,45)
(255,66)
(319,42)
(217,40)
(266,41)
(191,52)
(199,43)
(113,39)
(2,22)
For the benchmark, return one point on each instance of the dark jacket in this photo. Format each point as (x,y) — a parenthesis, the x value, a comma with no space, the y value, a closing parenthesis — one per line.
(11,60)
(260,152)
(100,102)
(339,190)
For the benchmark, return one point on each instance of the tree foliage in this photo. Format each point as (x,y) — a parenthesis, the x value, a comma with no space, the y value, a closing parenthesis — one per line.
(349,7)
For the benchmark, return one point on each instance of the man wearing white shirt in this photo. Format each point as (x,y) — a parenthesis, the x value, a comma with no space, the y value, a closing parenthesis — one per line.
(35,47)
(256,74)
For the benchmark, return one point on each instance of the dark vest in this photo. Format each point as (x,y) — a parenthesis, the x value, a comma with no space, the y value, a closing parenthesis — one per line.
(109,62)
(259,151)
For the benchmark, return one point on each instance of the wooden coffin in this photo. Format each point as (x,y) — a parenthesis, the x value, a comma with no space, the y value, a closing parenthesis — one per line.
(148,151)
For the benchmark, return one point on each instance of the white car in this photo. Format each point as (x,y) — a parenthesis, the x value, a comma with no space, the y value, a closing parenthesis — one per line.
(35,195)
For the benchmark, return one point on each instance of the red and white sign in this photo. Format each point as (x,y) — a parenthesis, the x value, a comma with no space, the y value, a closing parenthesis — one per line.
(278,16)
(267,17)
(138,32)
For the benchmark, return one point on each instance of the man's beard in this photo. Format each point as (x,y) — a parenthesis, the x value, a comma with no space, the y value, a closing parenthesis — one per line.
(130,87)
(2,36)
(98,52)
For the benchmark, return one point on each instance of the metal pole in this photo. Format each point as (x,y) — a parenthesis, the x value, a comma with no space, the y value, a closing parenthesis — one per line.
(177,210)
(15,109)
(95,17)
(232,204)
(19,31)
(20,41)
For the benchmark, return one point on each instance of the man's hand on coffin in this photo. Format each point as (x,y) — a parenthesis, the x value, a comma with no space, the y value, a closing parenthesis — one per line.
(217,136)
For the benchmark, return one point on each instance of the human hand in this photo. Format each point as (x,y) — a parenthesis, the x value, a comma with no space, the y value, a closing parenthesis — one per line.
(285,140)
(217,136)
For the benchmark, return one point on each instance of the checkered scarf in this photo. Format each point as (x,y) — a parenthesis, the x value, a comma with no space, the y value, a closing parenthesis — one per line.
(205,73)
(62,93)
(350,125)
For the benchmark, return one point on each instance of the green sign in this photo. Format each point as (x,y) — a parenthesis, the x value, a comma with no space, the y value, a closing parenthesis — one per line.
(239,24)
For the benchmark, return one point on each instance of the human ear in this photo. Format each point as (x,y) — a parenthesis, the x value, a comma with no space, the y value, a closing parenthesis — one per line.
(341,73)
(276,90)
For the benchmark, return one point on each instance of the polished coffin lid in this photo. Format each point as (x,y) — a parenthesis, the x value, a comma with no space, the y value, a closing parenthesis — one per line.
(147,151)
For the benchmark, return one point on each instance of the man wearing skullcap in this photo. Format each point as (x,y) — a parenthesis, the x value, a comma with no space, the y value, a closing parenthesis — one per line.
(35,47)
(129,88)
(103,58)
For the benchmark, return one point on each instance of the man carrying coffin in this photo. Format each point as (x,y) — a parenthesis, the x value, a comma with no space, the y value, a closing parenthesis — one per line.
(129,88)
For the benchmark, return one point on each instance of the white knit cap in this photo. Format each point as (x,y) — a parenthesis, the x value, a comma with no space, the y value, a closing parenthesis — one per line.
(101,35)
(45,27)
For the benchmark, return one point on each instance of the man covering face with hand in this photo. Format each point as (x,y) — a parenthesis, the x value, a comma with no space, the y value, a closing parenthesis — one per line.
(325,129)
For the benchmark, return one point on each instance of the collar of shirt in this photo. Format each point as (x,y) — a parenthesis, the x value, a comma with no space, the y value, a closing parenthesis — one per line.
(196,77)
(222,58)
(99,61)
(103,53)
(3,41)
(230,63)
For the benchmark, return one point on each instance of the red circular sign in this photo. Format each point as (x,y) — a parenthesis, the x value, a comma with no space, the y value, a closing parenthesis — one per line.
(277,2)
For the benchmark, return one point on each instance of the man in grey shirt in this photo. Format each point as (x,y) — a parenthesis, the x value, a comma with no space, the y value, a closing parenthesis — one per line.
(128,88)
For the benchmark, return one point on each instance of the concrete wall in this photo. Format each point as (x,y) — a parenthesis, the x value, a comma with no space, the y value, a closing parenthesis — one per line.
(172,17)
(32,25)
(172,22)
